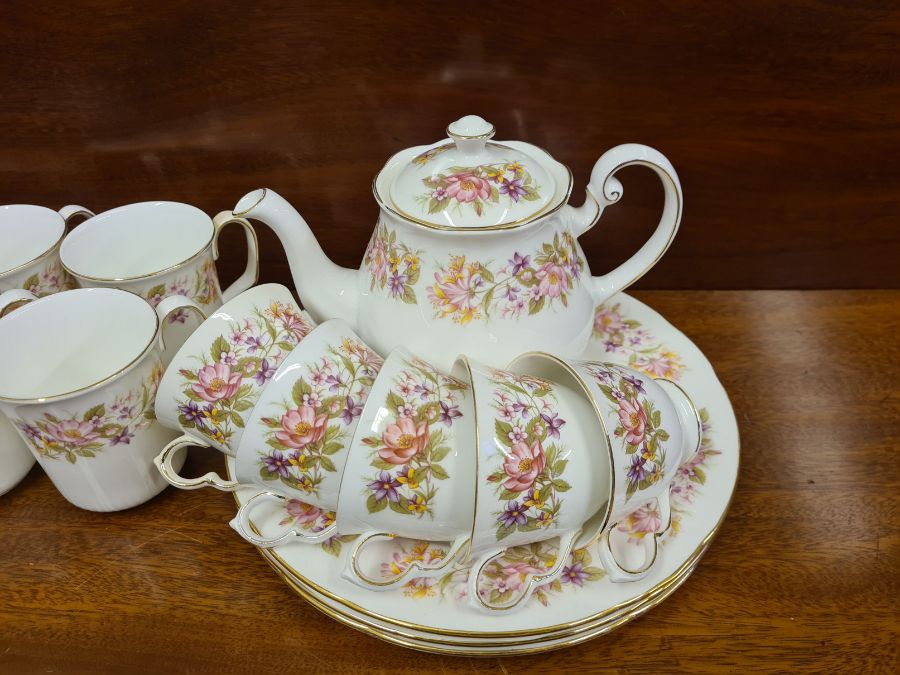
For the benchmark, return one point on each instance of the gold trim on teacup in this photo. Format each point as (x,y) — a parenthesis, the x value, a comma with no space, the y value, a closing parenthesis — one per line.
(694,409)
(106,380)
(53,247)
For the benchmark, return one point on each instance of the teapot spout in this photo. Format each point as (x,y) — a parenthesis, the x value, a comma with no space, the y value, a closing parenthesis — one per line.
(326,290)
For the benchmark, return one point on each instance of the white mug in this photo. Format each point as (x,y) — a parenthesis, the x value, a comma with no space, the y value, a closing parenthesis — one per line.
(79,372)
(158,249)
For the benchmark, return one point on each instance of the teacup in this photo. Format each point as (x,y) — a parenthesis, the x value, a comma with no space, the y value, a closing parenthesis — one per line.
(297,435)
(215,379)
(29,260)
(79,371)
(158,249)
(543,472)
(411,469)
(650,426)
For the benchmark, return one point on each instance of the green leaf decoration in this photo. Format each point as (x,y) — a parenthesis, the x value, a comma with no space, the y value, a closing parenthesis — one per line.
(219,346)
(332,448)
(399,507)
(374,506)
(242,405)
(561,485)
(394,402)
(96,411)
(237,420)
(438,472)
(327,464)
(699,476)
(409,295)
(30,282)
(502,430)
(300,388)
(440,453)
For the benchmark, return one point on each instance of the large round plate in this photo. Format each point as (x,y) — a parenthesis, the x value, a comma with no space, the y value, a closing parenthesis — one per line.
(429,614)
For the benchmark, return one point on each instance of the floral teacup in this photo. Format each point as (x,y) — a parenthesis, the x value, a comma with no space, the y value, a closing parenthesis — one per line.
(543,472)
(79,371)
(650,426)
(158,249)
(411,469)
(297,435)
(217,376)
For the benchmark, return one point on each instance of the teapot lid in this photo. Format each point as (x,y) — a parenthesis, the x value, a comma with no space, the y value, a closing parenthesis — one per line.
(468,182)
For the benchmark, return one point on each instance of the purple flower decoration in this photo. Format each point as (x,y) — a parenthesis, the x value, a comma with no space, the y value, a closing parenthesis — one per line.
(277,463)
(554,423)
(123,437)
(512,293)
(253,343)
(424,390)
(522,408)
(266,371)
(192,412)
(512,515)
(636,383)
(574,574)
(397,283)
(385,486)
(513,188)
(637,472)
(449,413)
(334,382)
(34,433)
(351,410)
(519,262)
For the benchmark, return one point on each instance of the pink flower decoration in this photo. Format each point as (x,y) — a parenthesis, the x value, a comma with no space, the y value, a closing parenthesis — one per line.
(73,432)
(215,382)
(466,187)
(403,440)
(523,465)
(302,512)
(553,280)
(634,419)
(301,426)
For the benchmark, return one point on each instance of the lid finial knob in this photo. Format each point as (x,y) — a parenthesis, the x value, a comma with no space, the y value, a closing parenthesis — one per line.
(470,133)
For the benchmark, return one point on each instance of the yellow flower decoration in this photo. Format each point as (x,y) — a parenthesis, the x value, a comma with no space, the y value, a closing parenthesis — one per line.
(408,479)
(417,504)
(515,168)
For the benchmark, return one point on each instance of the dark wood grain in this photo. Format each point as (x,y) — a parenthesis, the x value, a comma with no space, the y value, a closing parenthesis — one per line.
(802,576)
(782,119)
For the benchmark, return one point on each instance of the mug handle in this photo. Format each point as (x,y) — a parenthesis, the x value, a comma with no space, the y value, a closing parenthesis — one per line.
(74,211)
(530,583)
(163,462)
(688,417)
(169,306)
(618,573)
(605,189)
(12,299)
(251,272)
(352,571)
(242,525)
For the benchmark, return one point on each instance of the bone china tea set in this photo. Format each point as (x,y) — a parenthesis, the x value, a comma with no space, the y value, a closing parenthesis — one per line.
(469,445)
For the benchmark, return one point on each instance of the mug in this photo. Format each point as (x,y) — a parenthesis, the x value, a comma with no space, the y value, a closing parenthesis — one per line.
(650,427)
(297,435)
(218,374)
(158,249)
(411,468)
(29,260)
(543,472)
(79,371)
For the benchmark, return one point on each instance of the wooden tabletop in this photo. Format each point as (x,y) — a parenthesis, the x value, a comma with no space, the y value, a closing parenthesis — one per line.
(802,576)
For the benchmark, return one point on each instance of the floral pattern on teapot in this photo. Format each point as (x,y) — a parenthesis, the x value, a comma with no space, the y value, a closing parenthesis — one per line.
(529,480)
(471,187)
(423,407)
(312,427)
(83,435)
(230,377)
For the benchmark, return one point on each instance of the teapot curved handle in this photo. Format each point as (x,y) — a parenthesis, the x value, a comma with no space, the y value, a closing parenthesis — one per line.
(605,189)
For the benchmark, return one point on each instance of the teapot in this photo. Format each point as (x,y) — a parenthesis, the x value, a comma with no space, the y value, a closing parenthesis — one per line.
(475,250)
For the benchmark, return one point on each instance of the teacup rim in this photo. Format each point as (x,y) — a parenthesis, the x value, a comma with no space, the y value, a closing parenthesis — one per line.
(59,297)
(71,236)
(57,243)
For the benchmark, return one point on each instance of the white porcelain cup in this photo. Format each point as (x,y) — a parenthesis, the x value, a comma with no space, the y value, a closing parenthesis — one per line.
(298,433)
(79,372)
(30,237)
(158,249)
(411,469)
(216,377)
(651,427)
(543,471)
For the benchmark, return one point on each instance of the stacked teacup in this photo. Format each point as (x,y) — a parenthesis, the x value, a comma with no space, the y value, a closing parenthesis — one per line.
(481,458)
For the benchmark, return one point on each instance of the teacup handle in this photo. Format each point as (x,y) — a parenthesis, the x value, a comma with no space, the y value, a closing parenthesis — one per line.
(242,525)
(72,211)
(12,299)
(618,573)
(688,418)
(416,569)
(529,584)
(163,462)
(605,189)
(251,272)
(169,306)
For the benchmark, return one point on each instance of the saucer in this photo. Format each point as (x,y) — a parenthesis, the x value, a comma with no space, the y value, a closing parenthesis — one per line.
(428,614)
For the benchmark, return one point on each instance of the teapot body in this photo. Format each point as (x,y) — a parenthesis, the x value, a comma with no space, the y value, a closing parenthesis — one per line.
(489,294)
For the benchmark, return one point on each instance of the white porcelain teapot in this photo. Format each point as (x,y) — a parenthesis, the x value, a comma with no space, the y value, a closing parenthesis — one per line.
(475,250)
